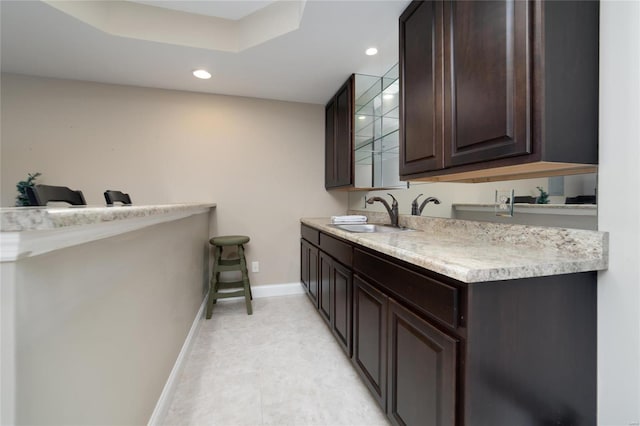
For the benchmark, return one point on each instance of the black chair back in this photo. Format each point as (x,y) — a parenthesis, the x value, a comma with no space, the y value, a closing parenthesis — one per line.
(581,199)
(40,195)
(112,197)
(524,199)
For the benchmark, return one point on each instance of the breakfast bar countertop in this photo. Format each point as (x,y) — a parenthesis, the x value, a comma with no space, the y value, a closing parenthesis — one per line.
(31,231)
(472,251)
(17,219)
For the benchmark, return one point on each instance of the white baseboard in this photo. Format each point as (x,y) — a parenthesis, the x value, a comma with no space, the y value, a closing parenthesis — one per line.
(277,290)
(271,290)
(162,406)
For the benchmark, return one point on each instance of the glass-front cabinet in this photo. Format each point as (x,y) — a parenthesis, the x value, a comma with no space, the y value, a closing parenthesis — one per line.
(376,130)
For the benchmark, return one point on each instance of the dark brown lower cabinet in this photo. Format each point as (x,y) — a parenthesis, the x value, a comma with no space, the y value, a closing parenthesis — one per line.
(304,264)
(309,269)
(370,338)
(422,371)
(436,351)
(328,282)
(335,298)
(325,269)
(341,288)
(314,286)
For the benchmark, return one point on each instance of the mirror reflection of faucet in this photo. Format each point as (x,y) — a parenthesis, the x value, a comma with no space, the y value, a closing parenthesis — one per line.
(417,211)
(393,210)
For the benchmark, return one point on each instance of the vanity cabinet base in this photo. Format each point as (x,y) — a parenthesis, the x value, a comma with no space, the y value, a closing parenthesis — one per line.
(436,351)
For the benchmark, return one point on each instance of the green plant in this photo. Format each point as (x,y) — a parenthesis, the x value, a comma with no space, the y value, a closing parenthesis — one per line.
(22,199)
(543,198)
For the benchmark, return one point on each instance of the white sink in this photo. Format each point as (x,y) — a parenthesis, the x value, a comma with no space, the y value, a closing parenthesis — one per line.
(368,227)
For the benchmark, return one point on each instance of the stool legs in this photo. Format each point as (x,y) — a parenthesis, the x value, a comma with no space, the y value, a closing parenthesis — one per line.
(245,280)
(220,265)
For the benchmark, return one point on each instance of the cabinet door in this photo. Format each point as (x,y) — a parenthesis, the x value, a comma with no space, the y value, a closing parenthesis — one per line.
(421,141)
(487,80)
(309,269)
(304,264)
(370,338)
(329,144)
(325,269)
(341,307)
(422,371)
(339,137)
(343,150)
(313,274)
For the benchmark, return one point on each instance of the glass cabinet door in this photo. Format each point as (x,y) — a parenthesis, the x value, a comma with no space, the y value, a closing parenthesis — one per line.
(376,128)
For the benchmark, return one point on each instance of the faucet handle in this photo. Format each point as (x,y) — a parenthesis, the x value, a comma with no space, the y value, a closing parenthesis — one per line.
(395,202)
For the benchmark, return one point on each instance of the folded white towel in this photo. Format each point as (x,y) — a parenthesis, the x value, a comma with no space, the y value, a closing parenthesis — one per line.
(355,218)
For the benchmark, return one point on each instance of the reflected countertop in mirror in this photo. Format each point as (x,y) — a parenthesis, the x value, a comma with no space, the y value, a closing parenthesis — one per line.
(577,216)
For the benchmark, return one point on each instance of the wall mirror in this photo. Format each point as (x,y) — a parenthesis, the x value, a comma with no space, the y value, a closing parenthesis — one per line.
(571,201)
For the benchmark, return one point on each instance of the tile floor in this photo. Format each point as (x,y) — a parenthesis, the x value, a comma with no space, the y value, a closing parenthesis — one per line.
(281,366)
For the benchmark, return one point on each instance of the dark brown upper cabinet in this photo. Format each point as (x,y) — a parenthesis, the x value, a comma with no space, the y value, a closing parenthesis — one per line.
(495,90)
(339,138)
(420,105)
(362,134)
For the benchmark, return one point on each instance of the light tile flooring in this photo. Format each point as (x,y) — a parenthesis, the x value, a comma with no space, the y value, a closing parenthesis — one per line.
(280,366)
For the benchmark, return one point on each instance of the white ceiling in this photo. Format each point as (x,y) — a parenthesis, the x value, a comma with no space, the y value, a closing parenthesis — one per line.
(305,65)
(222,9)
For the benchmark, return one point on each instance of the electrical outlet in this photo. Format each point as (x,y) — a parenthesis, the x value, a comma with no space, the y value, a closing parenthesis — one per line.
(255,266)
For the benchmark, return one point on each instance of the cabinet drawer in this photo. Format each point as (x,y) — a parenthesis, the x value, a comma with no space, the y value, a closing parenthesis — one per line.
(424,293)
(337,249)
(310,234)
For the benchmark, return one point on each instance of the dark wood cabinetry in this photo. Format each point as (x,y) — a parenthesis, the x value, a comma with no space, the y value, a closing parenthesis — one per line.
(339,138)
(436,351)
(325,270)
(498,89)
(420,104)
(334,282)
(341,288)
(335,298)
(422,371)
(309,270)
(370,338)
(486,65)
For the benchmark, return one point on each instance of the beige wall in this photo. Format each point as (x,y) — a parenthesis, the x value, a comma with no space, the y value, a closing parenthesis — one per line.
(99,326)
(261,161)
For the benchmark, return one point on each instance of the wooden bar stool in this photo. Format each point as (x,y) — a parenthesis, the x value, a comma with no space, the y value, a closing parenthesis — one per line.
(224,265)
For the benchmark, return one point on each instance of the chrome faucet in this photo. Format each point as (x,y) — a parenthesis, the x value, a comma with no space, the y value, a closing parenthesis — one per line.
(417,211)
(393,210)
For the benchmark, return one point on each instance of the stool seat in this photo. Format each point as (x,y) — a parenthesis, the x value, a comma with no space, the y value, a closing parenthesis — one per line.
(229,240)
(224,265)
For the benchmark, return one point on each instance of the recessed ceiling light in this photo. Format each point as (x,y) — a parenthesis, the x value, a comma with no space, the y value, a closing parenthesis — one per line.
(203,74)
(371,51)
(387,96)
(361,117)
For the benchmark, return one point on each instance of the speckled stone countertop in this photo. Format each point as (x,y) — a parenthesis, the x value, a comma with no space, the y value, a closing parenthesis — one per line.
(562,209)
(471,251)
(17,219)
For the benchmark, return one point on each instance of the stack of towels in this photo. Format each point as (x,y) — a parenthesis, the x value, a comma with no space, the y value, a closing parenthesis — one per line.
(354,218)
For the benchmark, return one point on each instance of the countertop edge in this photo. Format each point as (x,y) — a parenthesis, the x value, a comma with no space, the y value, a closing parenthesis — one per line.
(469,273)
(36,231)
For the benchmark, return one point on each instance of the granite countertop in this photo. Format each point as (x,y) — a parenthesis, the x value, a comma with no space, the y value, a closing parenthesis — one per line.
(18,219)
(32,231)
(471,251)
(562,209)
